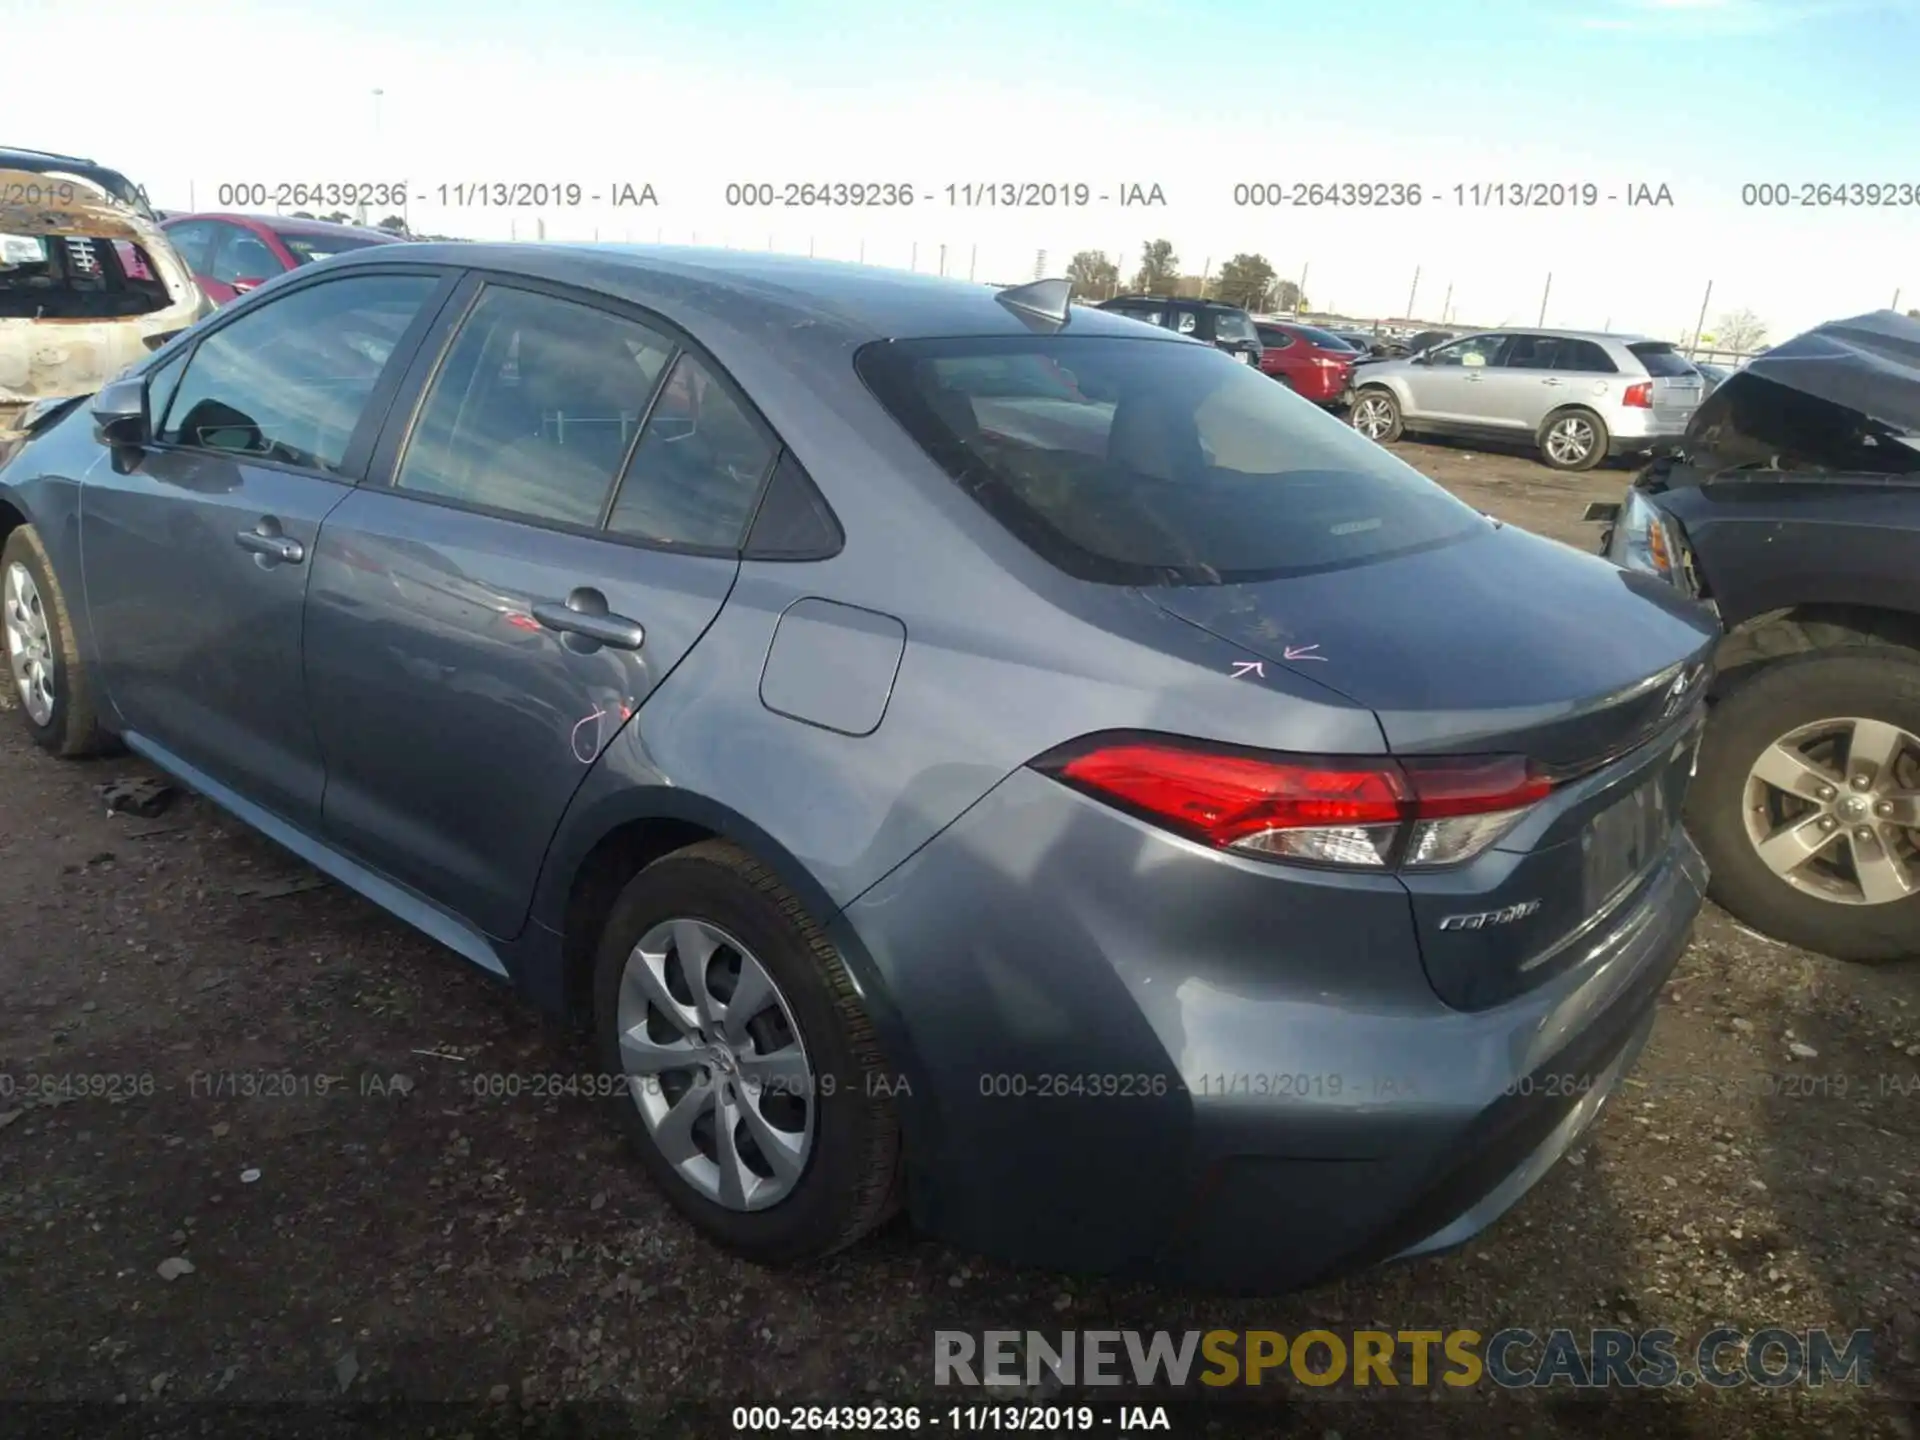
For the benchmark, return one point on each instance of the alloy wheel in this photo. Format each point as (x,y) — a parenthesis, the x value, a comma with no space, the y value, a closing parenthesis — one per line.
(1570,440)
(716,1065)
(1372,417)
(29,643)
(1833,809)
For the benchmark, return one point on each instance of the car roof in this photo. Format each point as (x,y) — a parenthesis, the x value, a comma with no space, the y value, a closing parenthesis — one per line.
(285,224)
(1603,336)
(42,162)
(768,293)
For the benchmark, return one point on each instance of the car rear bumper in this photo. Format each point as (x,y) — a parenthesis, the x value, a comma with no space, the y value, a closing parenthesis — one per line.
(1147,1059)
(1633,431)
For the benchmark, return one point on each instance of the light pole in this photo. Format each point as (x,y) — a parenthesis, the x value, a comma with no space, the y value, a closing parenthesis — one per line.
(378,93)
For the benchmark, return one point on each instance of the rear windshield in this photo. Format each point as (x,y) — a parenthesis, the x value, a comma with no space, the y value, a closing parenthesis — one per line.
(309,248)
(1325,339)
(1233,325)
(1663,362)
(1138,462)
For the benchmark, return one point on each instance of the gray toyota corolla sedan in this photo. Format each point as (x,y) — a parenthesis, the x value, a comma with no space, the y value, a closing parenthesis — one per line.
(959,751)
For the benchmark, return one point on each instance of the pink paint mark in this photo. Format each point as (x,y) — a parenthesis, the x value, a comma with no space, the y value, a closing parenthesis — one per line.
(1303,652)
(1244,668)
(585,753)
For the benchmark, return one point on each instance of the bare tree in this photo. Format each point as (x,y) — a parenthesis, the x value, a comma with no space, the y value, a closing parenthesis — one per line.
(1742,332)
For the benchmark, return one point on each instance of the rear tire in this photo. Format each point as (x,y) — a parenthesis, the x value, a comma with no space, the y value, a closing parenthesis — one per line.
(48,680)
(1573,440)
(1376,415)
(846,1181)
(1728,806)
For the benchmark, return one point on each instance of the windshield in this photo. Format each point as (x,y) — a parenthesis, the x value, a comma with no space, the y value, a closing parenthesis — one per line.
(309,248)
(1144,463)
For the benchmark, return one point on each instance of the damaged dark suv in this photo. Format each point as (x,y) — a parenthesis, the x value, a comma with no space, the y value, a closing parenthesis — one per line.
(1793,507)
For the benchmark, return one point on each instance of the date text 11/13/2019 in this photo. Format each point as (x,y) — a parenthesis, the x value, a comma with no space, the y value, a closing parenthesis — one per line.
(448,195)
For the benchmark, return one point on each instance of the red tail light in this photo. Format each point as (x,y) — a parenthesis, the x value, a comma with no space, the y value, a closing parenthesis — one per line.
(1640,396)
(1370,813)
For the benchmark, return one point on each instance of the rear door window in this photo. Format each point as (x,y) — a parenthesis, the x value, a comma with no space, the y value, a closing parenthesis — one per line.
(535,408)
(1169,464)
(1663,362)
(1531,352)
(1585,357)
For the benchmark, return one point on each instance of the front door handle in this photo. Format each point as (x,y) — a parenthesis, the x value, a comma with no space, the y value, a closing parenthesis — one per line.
(587,615)
(267,540)
(1549,382)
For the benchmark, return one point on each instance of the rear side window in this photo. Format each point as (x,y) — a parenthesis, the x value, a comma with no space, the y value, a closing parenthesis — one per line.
(534,408)
(1585,357)
(1274,339)
(1663,362)
(1169,464)
(194,241)
(289,381)
(1233,325)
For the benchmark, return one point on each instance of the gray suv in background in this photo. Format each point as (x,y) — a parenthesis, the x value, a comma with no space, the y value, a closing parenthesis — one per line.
(1578,395)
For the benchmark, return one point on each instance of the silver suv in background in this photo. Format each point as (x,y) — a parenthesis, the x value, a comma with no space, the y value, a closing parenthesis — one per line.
(1578,395)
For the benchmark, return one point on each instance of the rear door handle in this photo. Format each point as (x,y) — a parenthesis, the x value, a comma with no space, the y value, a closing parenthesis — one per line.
(587,615)
(266,539)
(1549,382)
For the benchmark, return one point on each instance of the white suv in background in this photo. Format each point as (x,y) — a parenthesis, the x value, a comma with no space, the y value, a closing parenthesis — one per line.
(1579,395)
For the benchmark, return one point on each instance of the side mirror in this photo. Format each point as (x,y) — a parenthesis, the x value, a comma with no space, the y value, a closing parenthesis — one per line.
(1423,358)
(241,287)
(120,411)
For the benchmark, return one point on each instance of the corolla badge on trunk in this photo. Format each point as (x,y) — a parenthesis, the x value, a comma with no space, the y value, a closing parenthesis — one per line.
(1481,919)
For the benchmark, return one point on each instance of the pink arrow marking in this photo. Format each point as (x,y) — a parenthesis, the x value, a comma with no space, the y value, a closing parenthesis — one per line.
(1243,668)
(1303,652)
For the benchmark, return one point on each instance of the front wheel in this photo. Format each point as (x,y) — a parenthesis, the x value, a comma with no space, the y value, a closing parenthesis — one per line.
(1807,802)
(50,682)
(754,1089)
(1574,440)
(1376,415)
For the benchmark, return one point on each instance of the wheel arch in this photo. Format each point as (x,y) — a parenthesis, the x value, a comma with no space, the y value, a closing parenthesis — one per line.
(601,848)
(1798,629)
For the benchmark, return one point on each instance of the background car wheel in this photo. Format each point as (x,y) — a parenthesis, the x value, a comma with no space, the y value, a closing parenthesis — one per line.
(1807,802)
(1573,440)
(1376,415)
(755,1091)
(49,682)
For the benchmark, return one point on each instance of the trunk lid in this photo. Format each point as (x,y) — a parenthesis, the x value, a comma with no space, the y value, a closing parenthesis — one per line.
(1505,643)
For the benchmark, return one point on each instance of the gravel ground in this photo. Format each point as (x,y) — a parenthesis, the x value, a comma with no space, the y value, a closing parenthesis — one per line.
(388,1234)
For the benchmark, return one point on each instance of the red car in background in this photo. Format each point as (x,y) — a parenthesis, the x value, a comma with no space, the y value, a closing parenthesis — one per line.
(232,254)
(1316,364)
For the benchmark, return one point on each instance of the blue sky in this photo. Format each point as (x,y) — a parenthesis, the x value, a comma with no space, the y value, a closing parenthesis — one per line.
(1701,95)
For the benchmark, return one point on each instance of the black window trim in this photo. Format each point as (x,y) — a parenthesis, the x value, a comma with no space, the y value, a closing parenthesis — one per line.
(374,415)
(424,369)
